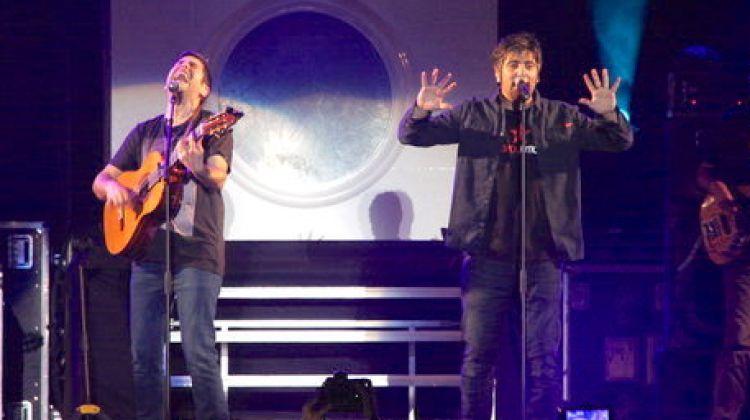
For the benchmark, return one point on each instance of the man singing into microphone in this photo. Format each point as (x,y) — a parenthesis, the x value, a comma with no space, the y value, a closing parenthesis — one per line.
(485,219)
(198,245)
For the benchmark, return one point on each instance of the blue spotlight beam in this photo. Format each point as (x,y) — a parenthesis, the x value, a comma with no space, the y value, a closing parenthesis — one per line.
(619,28)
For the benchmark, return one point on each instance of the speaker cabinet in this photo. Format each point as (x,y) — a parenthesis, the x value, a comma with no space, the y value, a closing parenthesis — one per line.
(24,248)
(613,325)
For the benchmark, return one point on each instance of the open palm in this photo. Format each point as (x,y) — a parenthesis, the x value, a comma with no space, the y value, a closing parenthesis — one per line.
(603,96)
(433,92)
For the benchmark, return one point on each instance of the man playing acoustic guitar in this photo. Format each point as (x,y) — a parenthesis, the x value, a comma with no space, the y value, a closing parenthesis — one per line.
(198,243)
(725,174)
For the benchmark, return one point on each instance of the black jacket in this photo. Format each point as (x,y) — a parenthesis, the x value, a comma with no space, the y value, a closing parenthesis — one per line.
(478,126)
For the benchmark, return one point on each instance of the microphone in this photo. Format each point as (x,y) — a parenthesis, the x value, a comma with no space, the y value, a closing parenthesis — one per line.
(173,86)
(524,90)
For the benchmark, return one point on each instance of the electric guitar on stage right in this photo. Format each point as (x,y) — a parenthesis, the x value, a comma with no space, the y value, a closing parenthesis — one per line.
(724,227)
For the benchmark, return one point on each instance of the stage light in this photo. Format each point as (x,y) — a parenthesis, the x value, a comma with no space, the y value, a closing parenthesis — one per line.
(585,413)
(618,26)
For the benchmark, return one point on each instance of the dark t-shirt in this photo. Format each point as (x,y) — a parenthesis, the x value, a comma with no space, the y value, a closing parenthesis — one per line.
(505,219)
(199,224)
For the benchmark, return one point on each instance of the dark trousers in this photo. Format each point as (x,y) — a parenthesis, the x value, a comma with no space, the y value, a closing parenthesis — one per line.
(196,293)
(733,364)
(491,328)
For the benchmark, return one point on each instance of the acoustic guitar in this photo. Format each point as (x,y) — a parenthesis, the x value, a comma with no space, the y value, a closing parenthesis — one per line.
(130,227)
(724,229)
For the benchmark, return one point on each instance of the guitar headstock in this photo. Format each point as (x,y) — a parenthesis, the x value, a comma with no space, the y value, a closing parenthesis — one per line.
(219,124)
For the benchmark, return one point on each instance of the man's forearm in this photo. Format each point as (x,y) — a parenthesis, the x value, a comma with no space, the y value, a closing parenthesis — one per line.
(210,176)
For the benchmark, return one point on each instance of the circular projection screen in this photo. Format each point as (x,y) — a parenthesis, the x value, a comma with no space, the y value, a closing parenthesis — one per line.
(317,98)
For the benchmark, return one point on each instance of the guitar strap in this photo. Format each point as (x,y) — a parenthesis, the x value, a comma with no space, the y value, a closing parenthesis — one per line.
(183,222)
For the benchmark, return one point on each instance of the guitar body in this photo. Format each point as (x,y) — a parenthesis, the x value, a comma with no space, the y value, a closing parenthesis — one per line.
(723,235)
(128,228)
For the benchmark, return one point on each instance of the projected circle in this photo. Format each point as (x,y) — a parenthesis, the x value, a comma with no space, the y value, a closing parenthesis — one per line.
(317,102)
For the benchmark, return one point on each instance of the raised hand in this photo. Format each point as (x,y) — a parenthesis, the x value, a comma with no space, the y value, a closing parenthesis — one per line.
(432,95)
(603,99)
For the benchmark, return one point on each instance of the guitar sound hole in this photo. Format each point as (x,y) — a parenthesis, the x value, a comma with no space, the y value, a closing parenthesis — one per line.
(138,207)
(711,229)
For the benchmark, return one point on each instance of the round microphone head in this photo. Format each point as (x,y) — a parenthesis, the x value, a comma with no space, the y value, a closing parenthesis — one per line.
(173,86)
(524,89)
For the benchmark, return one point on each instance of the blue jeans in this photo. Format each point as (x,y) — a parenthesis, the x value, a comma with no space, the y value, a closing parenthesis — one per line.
(196,293)
(491,328)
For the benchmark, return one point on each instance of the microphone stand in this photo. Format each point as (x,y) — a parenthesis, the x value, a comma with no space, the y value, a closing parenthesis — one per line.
(522,274)
(167,249)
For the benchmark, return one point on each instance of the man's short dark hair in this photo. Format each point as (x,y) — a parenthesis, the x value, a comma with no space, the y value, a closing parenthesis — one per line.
(517,43)
(202,58)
